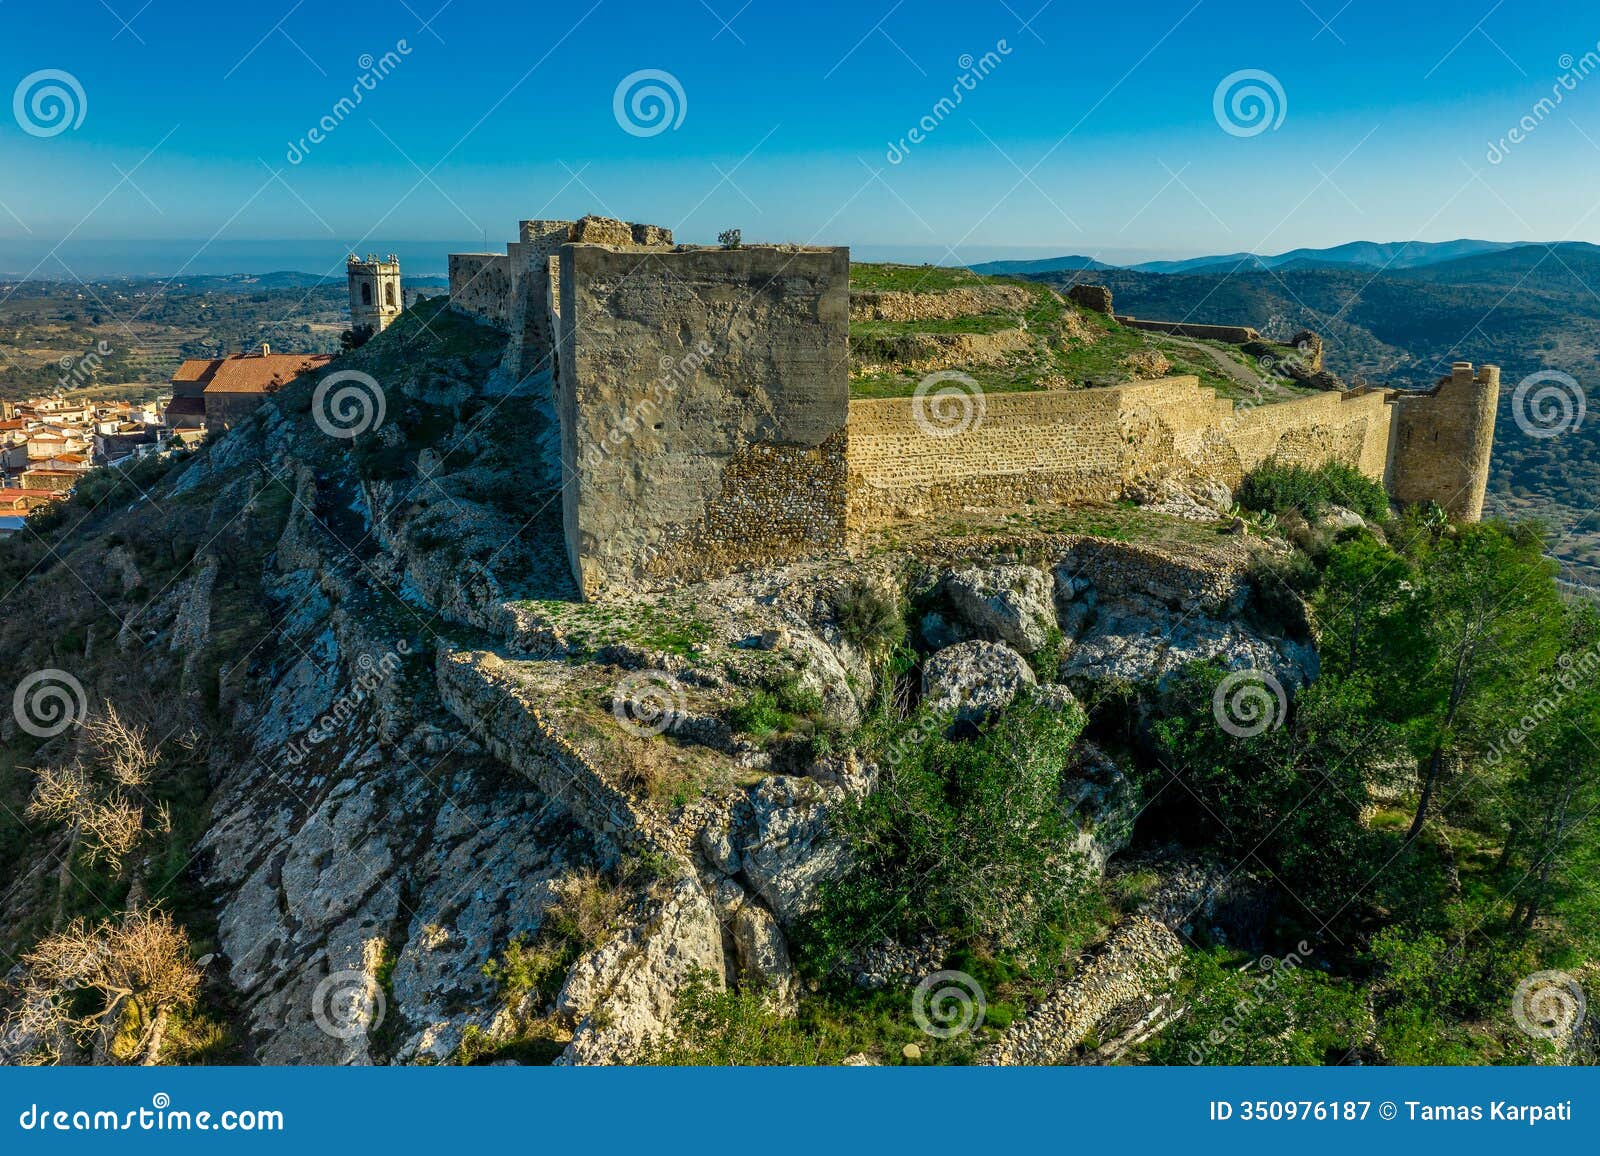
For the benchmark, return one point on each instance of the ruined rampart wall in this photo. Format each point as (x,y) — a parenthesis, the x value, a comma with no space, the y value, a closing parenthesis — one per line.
(1232,334)
(480,286)
(912,457)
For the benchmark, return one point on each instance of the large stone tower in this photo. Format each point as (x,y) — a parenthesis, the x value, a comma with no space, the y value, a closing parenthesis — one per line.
(1443,438)
(375,298)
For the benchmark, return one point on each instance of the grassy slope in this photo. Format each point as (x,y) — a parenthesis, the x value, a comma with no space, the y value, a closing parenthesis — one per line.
(1057,360)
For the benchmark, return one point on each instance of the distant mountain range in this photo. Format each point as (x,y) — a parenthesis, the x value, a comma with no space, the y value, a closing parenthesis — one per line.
(1351,255)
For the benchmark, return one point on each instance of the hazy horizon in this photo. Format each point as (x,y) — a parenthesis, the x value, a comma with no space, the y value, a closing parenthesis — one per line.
(177,258)
(954,134)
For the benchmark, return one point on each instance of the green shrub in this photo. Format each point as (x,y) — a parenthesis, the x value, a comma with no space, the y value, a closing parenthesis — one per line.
(961,836)
(870,618)
(782,707)
(1276,487)
(712,1027)
(1285,1013)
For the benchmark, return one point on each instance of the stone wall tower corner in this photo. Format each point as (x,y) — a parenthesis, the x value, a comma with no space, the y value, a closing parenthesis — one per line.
(1444,439)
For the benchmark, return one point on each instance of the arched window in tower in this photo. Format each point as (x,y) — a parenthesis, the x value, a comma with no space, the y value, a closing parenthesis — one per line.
(366,293)
(388,295)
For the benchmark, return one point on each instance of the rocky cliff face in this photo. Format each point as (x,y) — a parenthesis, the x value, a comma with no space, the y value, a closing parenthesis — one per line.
(405,755)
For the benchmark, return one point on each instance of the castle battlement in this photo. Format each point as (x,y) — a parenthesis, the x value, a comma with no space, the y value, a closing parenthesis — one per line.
(706,421)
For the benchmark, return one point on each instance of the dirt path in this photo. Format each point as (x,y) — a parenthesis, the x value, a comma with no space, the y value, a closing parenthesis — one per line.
(1259,388)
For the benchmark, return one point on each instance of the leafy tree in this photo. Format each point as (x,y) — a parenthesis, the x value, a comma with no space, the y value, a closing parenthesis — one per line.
(965,836)
(1552,849)
(1429,986)
(1364,608)
(1292,795)
(1489,617)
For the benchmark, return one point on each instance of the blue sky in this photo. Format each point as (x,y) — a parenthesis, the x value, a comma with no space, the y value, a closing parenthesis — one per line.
(1094,130)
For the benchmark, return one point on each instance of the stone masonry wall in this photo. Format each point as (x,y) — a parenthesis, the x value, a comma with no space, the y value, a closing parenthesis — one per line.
(1443,441)
(1233,334)
(513,290)
(703,395)
(480,286)
(1089,445)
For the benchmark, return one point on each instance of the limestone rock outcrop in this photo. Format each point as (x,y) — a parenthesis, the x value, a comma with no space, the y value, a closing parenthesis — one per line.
(973,680)
(782,835)
(1010,604)
(622,995)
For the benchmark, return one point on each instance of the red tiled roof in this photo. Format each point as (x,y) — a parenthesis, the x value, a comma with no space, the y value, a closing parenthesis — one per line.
(262,373)
(196,369)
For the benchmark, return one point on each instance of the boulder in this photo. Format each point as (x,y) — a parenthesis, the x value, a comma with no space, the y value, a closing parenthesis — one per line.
(1105,802)
(1012,604)
(764,957)
(1137,639)
(781,832)
(1336,518)
(823,673)
(974,679)
(1146,363)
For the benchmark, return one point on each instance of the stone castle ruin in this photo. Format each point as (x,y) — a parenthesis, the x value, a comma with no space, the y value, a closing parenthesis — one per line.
(706,420)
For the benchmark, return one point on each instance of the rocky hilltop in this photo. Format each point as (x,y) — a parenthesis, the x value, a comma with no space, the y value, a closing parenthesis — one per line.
(421,804)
